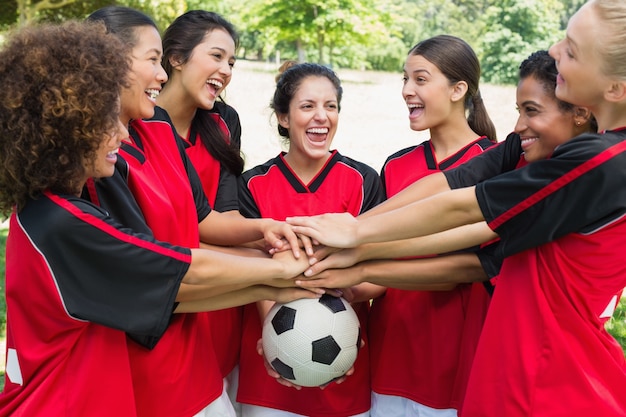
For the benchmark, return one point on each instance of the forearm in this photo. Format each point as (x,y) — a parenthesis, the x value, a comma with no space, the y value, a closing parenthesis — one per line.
(427,274)
(448,241)
(231,299)
(426,187)
(212,268)
(188,292)
(230,229)
(431,215)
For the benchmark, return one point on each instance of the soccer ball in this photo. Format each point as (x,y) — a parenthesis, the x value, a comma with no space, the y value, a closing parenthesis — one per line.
(311,342)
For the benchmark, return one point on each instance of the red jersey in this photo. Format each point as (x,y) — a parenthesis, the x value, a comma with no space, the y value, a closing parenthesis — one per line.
(544,350)
(273,190)
(89,283)
(180,376)
(421,342)
(220,187)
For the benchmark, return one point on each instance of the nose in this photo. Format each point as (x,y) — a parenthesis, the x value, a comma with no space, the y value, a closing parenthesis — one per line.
(520,125)
(320,113)
(554,50)
(161,75)
(122,133)
(407,91)
(225,69)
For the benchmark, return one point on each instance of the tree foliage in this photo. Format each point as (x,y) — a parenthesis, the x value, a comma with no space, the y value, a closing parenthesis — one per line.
(368,34)
(513,30)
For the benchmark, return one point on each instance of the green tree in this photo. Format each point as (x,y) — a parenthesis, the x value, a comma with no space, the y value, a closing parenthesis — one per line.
(513,30)
(323,26)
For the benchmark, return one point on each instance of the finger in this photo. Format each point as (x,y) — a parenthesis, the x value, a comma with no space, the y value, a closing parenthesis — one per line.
(307,244)
(292,239)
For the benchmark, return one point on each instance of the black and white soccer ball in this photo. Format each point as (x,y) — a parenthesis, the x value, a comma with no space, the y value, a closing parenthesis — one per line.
(311,342)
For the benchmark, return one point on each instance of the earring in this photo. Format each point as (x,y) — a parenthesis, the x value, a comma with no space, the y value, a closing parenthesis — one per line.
(577,123)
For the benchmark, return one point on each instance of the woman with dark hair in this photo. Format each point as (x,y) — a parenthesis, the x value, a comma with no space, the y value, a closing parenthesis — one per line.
(441,91)
(79,284)
(167,189)
(198,55)
(309,178)
(543,124)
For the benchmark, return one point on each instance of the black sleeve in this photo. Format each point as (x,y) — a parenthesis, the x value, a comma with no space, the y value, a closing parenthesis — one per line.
(497,159)
(227,197)
(113,195)
(579,189)
(247,206)
(107,274)
(373,190)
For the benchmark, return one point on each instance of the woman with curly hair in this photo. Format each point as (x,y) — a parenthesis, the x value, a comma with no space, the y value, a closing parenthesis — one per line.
(77,283)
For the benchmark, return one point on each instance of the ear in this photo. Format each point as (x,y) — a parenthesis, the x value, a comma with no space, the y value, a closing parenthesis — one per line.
(283,120)
(175,62)
(581,115)
(458,91)
(617,92)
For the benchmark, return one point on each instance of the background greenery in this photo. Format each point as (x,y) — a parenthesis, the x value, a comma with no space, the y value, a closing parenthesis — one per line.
(359,34)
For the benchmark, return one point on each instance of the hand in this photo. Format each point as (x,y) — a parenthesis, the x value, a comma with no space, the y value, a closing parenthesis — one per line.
(332,229)
(331,258)
(285,295)
(277,233)
(271,372)
(332,278)
(282,381)
(293,266)
(303,242)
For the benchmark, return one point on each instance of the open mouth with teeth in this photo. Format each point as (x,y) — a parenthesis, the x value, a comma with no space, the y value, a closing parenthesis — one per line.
(317,134)
(414,108)
(152,93)
(216,84)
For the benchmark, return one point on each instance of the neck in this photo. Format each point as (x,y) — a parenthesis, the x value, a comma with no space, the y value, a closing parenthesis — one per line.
(306,168)
(610,116)
(180,111)
(449,139)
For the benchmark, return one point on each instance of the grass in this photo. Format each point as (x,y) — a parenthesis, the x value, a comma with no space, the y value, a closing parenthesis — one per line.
(616,326)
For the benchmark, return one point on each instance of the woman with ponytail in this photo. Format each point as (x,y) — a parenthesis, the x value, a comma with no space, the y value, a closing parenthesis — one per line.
(433,331)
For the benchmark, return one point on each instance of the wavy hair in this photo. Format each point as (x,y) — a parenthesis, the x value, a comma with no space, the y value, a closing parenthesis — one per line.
(58,102)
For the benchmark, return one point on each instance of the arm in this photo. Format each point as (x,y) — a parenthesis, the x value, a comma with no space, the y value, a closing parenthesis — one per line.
(425,187)
(231,228)
(431,215)
(424,274)
(448,241)
(244,296)
(213,268)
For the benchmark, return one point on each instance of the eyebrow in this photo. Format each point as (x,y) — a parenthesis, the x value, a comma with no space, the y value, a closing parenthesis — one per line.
(223,51)
(531,102)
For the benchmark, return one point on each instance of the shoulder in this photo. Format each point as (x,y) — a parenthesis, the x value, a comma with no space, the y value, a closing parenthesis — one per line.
(160,114)
(261,169)
(226,112)
(361,167)
(403,152)
(589,144)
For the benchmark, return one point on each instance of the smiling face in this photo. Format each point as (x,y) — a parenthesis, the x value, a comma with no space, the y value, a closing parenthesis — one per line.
(146,76)
(209,69)
(106,155)
(312,119)
(580,80)
(542,123)
(427,93)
